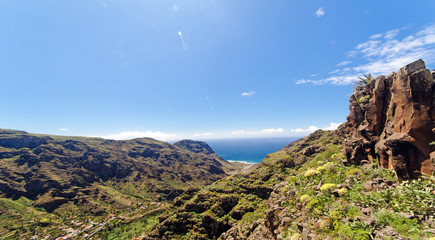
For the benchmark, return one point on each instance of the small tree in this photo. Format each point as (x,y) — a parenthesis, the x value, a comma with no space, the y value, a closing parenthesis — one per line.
(363,81)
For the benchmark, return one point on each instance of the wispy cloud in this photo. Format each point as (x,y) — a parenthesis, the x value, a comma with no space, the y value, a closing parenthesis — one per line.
(320,12)
(375,36)
(64,129)
(382,54)
(138,134)
(391,34)
(344,63)
(248,94)
(337,80)
(268,132)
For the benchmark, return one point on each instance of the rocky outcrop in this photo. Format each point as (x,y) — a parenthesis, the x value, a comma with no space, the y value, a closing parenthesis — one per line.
(195,146)
(391,119)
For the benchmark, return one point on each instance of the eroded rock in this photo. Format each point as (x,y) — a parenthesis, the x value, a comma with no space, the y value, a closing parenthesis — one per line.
(391,119)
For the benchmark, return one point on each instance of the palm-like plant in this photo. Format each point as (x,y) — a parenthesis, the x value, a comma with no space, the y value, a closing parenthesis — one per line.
(363,81)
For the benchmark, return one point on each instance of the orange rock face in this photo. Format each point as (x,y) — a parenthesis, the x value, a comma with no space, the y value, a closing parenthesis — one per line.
(391,119)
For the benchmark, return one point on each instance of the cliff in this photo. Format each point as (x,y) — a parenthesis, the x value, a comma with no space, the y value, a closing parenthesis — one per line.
(391,119)
(195,147)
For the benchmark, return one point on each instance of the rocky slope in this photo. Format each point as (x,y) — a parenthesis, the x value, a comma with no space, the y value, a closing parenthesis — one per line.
(344,184)
(324,199)
(304,191)
(92,176)
(195,147)
(392,119)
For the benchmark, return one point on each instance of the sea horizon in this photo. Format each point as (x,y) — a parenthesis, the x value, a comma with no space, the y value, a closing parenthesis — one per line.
(248,150)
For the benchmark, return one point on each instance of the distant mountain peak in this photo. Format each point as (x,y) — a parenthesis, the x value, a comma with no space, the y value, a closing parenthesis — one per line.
(195,146)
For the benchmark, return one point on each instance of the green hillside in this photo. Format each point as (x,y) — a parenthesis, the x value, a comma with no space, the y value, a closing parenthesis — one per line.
(48,181)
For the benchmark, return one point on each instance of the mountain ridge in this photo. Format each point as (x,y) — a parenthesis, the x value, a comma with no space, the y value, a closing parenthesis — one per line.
(81,176)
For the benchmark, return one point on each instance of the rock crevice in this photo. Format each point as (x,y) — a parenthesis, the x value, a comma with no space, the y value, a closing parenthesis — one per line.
(391,120)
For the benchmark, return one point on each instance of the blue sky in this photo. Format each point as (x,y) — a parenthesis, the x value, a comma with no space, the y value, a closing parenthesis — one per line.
(198,68)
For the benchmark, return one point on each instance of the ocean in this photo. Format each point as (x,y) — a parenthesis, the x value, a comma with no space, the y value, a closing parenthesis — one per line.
(247,149)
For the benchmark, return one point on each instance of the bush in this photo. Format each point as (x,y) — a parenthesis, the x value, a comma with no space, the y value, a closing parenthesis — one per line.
(305,198)
(353,171)
(311,172)
(342,191)
(327,187)
(321,168)
(363,99)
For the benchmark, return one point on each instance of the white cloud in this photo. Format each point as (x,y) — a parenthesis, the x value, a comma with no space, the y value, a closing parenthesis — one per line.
(351,54)
(248,94)
(337,80)
(137,134)
(175,8)
(382,54)
(391,34)
(272,130)
(332,126)
(268,132)
(206,134)
(375,36)
(64,129)
(256,132)
(312,128)
(343,63)
(320,12)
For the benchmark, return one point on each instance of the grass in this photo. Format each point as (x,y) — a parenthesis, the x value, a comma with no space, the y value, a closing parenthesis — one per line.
(404,226)
(133,229)
(19,220)
(415,198)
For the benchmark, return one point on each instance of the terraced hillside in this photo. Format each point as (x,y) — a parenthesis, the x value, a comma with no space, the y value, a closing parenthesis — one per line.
(47,179)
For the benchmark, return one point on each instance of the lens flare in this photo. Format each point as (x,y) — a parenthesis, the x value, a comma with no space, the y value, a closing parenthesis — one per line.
(183,44)
(181,37)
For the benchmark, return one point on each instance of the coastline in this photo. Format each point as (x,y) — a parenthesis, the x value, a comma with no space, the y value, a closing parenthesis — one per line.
(246,162)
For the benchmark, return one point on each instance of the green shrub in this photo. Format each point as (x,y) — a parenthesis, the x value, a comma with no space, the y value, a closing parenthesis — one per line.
(329,165)
(311,172)
(342,191)
(327,187)
(356,230)
(335,214)
(305,198)
(353,171)
(321,168)
(402,225)
(363,99)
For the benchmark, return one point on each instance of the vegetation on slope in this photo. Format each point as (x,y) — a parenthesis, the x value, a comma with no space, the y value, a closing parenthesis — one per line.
(48,181)
(304,190)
